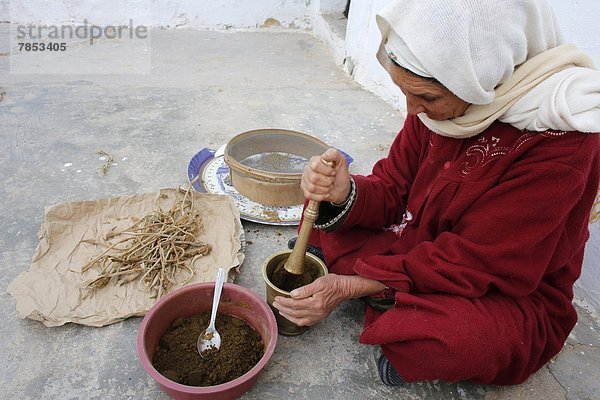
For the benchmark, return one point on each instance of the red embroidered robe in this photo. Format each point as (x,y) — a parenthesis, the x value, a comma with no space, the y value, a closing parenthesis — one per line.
(482,238)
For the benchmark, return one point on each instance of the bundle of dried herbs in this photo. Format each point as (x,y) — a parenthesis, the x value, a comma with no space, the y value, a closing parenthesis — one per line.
(154,249)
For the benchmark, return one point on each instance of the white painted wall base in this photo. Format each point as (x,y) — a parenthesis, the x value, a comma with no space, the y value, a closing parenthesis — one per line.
(171,14)
(587,288)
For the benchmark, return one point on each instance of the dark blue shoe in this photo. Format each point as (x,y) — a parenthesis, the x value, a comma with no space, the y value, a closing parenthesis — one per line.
(316,251)
(387,373)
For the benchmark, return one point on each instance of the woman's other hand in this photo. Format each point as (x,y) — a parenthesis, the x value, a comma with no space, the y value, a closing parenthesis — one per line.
(314,302)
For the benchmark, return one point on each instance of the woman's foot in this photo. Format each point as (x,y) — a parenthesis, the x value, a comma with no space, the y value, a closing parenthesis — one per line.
(387,373)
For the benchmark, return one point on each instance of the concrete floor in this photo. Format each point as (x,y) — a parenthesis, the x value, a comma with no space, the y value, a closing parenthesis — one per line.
(205,87)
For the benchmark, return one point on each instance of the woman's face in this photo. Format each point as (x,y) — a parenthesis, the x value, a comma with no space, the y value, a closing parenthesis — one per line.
(426,96)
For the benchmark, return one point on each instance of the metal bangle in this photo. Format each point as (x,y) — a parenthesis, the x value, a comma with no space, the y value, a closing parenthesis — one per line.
(343,203)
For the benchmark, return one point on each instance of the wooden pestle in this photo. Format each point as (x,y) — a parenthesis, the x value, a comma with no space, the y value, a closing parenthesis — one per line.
(295,262)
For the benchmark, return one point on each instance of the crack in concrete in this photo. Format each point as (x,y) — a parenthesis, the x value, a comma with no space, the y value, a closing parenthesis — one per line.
(570,347)
(576,345)
(565,390)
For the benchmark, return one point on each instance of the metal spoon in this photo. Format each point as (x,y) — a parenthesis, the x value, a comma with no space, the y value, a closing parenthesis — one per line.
(209,341)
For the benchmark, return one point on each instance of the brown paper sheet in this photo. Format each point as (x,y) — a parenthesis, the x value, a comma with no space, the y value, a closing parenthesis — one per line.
(52,290)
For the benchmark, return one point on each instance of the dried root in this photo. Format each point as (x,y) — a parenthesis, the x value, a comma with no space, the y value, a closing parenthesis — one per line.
(107,163)
(153,250)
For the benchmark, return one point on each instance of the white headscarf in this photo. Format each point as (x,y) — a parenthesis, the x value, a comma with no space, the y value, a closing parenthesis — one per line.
(505,57)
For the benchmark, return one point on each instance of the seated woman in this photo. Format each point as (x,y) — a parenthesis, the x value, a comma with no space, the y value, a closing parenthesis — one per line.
(467,238)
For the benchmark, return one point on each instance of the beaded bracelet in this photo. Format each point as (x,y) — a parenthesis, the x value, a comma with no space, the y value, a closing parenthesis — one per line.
(348,204)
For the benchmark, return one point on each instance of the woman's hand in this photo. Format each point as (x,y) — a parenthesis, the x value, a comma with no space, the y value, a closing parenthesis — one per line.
(326,178)
(314,302)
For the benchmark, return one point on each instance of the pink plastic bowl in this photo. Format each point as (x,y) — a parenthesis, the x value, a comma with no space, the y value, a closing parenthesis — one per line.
(192,299)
